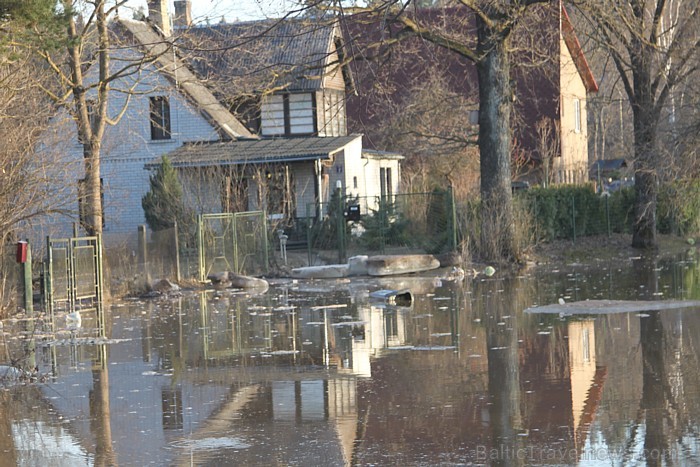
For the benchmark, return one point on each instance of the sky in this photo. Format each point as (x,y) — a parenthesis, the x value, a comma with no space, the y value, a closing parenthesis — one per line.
(232,10)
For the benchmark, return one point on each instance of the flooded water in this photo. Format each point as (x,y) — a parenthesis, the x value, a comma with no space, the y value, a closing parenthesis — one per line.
(322,373)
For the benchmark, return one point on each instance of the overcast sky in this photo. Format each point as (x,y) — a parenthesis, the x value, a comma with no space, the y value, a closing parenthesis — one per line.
(232,10)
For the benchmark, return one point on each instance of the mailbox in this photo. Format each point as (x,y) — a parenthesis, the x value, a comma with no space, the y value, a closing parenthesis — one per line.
(353,213)
(22,248)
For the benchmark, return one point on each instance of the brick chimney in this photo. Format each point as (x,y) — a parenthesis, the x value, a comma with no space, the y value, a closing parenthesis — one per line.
(183,14)
(158,14)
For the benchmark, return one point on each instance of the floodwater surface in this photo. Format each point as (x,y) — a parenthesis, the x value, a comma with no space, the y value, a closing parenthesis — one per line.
(323,373)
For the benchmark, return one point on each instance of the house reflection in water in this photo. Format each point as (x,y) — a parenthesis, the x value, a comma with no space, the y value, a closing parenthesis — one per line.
(564,385)
(347,382)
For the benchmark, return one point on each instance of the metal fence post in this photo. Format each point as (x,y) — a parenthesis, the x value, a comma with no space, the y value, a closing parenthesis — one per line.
(177,252)
(573,216)
(340,215)
(200,247)
(28,292)
(100,286)
(48,280)
(607,214)
(453,218)
(309,232)
(143,252)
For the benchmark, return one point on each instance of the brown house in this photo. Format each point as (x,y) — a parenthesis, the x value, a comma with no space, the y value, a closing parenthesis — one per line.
(550,74)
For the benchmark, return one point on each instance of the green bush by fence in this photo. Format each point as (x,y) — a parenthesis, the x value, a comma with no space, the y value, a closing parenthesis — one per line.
(577,211)
(678,210)
(567,212)
(415,222)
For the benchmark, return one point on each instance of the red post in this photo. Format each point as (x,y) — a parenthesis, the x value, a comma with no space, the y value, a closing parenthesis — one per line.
(22,252)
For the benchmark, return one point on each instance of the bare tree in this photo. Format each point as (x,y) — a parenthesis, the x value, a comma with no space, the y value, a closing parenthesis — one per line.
(654,48)
(83,77)
(432,127)
(481,32)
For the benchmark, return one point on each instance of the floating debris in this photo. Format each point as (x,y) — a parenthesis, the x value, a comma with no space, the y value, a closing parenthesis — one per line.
(601,307)
(349,323)
(323,307)
(211,444)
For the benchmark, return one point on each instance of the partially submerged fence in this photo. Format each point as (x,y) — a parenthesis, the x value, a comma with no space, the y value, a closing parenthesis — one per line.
(405,223)
(11,284)
(235,242)
(73,275)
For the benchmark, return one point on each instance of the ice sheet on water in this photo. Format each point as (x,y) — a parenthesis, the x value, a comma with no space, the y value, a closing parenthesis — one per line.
(602,307)
(211,444)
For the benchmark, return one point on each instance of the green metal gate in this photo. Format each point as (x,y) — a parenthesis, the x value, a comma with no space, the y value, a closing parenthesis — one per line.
(235,242)
(73,278)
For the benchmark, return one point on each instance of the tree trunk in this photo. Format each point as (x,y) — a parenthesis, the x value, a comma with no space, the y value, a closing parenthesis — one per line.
(646,178)
(92,222)
(91,116)
(495,103)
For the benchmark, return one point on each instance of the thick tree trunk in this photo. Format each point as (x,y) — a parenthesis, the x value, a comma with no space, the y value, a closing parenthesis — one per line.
(92,196)
(495,103)
(646,177)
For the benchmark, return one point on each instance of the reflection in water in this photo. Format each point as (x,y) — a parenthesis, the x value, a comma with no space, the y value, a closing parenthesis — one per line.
(319,373)
(502,351)
(100,413)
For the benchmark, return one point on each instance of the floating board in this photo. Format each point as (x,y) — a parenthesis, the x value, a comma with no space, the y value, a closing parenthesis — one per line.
(385,265)
(329,271)
(603,307)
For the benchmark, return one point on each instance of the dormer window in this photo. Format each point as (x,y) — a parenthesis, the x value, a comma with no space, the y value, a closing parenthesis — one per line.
(288,115)
(160,118)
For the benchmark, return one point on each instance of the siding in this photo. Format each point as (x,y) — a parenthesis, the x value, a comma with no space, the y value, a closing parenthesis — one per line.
(127,147)
(571,167)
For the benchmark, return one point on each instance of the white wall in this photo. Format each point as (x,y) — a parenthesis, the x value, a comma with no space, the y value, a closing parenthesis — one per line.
(127,146)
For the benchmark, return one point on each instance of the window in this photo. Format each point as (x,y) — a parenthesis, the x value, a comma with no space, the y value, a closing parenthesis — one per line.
(577,115)
(160,118)
(385,183)
(288,115)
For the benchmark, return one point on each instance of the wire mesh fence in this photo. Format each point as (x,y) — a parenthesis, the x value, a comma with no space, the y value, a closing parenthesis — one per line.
(11,284)
(405,223)
(235,242)
(577,213)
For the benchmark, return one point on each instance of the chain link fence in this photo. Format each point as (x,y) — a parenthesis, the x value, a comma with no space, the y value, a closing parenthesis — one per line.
(11,284)
(405,223)
(235,242)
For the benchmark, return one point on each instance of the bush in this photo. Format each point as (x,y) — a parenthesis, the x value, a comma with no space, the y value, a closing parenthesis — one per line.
(385,226)
(678,209)
(164,205)
(568,211)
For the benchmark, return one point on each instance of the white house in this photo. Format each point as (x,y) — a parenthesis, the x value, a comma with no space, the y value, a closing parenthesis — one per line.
(169,110)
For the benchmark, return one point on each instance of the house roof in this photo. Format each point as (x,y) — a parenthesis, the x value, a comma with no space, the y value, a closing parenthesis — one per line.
(259,151)
(574,46)
(262,55)
(156,46)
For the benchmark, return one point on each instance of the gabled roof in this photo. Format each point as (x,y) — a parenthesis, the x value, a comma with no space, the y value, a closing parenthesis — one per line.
(260,151)
(574,46)
(261,55)
(156,46)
